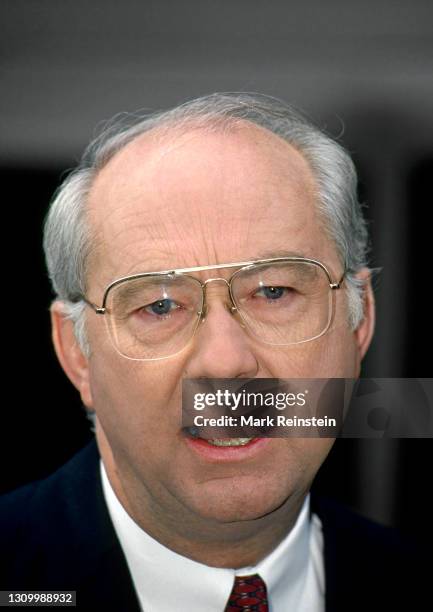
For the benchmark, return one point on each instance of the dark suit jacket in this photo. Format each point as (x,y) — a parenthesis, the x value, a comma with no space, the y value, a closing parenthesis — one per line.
(56,534)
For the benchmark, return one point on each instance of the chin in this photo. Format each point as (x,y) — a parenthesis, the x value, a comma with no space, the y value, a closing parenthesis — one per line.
(231,500)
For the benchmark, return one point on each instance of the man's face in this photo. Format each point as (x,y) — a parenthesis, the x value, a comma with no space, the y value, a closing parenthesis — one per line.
(194,199)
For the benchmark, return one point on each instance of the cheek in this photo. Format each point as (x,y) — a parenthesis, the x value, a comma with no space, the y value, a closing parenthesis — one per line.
(333,355)
(312,452)
(135,400)
(303,458)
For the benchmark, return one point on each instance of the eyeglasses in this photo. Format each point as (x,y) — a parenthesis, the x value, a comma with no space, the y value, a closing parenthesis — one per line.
(280,301)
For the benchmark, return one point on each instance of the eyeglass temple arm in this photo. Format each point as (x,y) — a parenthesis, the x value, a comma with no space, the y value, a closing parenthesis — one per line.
(98,309)
(338,284)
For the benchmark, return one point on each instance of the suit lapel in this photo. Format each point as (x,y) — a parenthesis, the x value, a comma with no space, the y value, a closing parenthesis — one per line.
(101,572)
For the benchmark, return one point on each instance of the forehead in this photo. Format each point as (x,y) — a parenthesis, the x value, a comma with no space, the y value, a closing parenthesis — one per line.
(201,197)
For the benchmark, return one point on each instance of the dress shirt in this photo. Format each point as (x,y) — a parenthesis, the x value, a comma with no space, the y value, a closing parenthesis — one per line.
(166,581)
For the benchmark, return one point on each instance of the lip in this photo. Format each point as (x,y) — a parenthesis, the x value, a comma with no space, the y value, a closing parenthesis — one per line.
(225,454)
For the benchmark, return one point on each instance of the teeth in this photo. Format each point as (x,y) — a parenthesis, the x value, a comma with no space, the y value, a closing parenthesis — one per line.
(230,442)
(195,433)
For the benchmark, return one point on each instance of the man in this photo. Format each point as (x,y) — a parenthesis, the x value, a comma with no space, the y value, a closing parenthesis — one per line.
(167,521)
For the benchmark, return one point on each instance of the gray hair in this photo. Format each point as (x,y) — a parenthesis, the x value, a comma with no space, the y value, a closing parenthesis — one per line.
(68,237)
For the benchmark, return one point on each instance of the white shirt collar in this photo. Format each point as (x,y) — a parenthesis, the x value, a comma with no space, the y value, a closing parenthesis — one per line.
(166,581)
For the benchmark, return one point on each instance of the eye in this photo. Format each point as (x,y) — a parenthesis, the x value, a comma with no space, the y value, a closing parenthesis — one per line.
(161,307)
(272,293)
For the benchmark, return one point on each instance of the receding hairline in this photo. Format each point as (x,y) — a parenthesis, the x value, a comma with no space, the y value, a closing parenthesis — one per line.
(172,131)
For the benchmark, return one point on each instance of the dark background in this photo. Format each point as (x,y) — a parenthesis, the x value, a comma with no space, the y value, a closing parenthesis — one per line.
(363,71)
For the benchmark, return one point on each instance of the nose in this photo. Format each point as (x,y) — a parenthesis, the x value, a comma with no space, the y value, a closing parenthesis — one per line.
(221,347)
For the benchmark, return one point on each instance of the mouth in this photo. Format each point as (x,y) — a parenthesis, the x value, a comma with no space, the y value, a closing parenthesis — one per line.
(222,449)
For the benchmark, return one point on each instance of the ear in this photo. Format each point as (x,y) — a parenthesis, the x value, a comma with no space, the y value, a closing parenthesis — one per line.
(71,357)
(364,331)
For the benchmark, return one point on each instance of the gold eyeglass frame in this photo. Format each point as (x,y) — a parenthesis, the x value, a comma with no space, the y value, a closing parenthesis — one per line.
(201,314)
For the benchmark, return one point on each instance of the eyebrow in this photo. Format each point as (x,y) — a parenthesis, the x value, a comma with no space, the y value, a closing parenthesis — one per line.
(263,255)
(275,253)
(268,254)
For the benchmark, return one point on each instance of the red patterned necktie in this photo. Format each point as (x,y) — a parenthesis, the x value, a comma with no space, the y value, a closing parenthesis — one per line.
(248,595)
